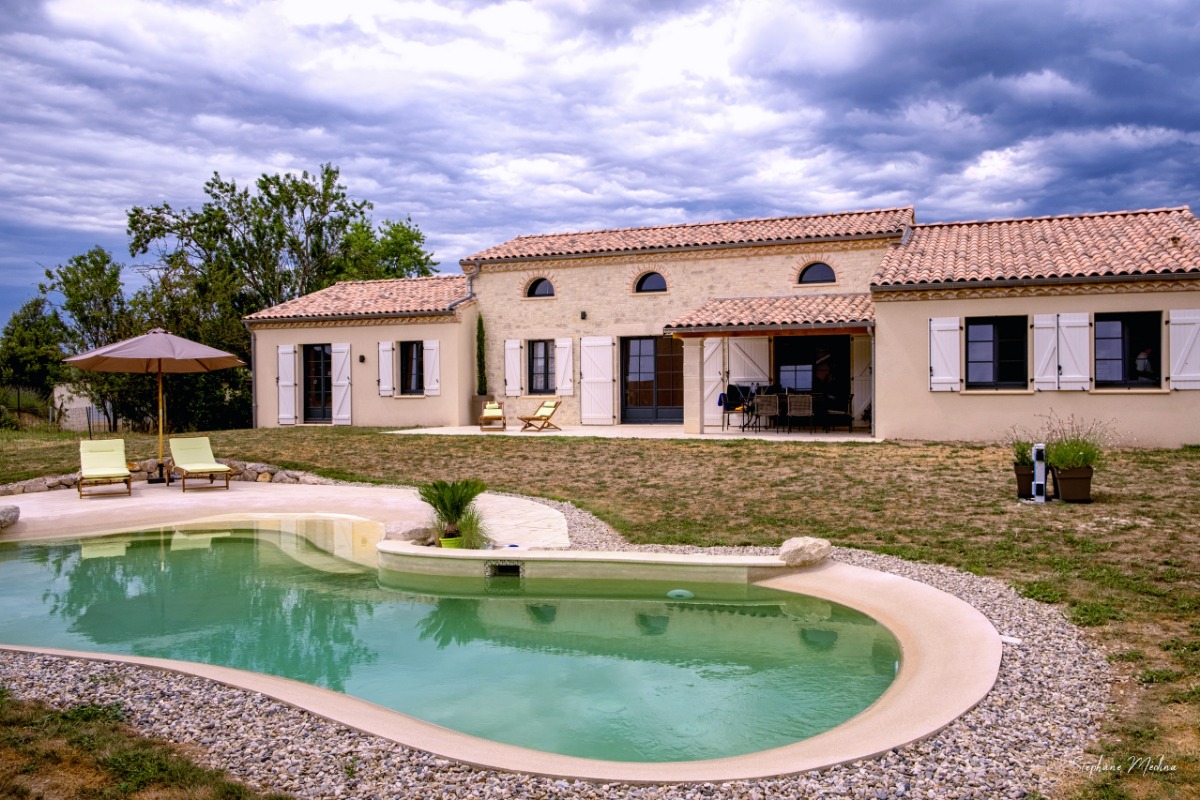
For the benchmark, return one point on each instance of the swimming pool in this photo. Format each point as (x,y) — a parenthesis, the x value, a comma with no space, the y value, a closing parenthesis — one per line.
(628,676)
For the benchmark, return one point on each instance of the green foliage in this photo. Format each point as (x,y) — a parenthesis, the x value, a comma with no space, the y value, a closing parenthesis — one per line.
(1044,591)
(1072,443)
(31,347)
(480,357)
(473,531)
(450,501)
(397,250)
(1020,441)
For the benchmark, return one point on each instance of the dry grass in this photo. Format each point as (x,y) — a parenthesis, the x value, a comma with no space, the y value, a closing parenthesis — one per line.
(1126,566)
(86,752)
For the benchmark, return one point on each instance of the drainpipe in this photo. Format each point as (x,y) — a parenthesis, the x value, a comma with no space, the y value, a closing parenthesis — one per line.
(253,383)
(874,397)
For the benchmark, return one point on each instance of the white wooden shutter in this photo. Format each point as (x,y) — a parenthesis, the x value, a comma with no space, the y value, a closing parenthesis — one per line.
(1184,329)
(1045,352)
(714,379)
(945,362)
(564,367)
(512,368)
(341,383)
(1074,352)
(750,361)
(286,358)
(431,360)
(387,369)
(596,380)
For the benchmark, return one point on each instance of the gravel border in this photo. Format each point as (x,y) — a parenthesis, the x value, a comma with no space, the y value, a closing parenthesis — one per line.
(1028,733)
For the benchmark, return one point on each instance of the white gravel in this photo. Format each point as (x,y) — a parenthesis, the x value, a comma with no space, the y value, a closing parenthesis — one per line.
(1048,703)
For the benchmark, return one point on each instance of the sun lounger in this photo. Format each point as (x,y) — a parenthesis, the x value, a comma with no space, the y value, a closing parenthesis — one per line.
(540,419)
(493,415)
(102,462)
(193,458)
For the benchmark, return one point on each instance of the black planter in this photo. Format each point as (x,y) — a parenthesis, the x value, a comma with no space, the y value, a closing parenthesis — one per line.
(1024,474)
(1074,485)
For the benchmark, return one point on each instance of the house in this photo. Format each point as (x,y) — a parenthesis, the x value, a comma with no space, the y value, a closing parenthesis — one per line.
(933,331)
(980,326)
(383,352)
(652,324)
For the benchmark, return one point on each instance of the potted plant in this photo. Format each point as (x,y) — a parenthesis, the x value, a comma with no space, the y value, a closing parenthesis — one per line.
(451,501)
(481,382)
(1020,442)
(1074,448)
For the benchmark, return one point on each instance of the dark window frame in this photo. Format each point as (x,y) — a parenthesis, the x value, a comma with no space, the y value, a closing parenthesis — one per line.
(541,366)
(1002,344)
(318,383)
(817,272)
(659,286)
(540,287)
(1121,348)
(412,368)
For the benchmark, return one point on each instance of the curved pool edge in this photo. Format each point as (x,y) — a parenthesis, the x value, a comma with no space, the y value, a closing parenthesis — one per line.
(951,658)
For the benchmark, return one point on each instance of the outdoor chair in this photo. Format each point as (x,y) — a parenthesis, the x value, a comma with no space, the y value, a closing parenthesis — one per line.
(493,416)
(540,419)
(837,413)
(193,458)
(800,406)
(102,462)
(766,411)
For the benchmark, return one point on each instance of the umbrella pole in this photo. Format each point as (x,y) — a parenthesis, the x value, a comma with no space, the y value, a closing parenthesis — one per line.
(160,479)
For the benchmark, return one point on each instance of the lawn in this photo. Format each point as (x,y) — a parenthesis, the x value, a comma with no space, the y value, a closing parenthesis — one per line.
(1127,567)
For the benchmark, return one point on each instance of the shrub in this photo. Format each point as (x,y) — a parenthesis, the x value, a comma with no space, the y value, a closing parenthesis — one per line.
(1020,441)
(1072,443)
(450,501)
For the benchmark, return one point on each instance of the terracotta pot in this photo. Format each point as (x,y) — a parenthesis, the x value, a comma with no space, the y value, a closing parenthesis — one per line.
(1024,474)
(1074,485)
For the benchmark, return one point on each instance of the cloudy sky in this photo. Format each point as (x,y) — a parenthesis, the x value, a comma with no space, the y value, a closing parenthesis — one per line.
(486,120)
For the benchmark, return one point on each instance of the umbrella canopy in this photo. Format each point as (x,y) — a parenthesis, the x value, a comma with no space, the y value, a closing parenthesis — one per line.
(155,352)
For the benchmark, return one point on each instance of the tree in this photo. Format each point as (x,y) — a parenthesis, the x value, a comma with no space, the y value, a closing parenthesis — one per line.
(31,347)
(98,314)
(284,240)
(396,250)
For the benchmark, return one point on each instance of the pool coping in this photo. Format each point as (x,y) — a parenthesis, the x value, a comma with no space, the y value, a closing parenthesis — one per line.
(950,660)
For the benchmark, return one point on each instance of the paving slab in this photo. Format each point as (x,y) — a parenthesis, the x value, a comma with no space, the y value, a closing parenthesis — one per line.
(62,513)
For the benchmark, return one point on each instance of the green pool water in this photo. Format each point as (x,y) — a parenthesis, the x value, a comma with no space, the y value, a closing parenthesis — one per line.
(626,675)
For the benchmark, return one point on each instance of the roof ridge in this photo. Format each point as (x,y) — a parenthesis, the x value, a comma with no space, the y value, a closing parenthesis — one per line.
(393,280)
(1048,218)
(822,295)
(678,225)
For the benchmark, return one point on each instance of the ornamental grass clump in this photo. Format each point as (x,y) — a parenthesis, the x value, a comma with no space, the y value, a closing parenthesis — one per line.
(1075,443)
(1020,441)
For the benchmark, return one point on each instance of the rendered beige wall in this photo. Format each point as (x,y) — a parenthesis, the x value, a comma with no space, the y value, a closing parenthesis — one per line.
(906,409)
(604,289)
(451,407)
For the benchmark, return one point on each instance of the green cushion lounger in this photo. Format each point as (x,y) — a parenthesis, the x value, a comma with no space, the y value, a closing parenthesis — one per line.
(102,462)
(540,419)
(493,415)
(193,457)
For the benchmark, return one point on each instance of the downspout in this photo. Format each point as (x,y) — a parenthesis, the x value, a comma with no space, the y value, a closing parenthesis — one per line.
(874,390)
(253,383)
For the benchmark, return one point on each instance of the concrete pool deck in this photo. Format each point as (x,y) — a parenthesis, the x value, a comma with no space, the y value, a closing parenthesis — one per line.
(950,652)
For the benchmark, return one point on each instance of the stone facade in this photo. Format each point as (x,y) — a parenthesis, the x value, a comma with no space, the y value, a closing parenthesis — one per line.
(595,296)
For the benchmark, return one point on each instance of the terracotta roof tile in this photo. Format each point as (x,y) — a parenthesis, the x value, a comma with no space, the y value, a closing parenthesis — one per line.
(891,221)
(372,298)
(796,311)
(1154,242)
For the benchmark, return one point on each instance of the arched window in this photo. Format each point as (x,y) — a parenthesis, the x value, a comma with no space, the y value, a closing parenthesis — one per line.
(541,287)
(817,273)
(651,282)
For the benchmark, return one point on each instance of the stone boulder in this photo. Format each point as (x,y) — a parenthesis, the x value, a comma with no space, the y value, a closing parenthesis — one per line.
(9,515)
(406,531)
(804,551)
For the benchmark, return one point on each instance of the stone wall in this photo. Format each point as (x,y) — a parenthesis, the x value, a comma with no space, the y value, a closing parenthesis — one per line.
(242,471)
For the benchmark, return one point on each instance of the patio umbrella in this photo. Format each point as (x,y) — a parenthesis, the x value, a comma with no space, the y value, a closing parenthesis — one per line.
(155,352)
